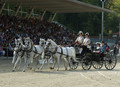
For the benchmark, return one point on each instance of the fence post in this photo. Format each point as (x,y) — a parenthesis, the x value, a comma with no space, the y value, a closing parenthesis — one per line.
(7,52)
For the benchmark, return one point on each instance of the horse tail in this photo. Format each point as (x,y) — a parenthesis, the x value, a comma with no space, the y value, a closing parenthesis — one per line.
(74,54)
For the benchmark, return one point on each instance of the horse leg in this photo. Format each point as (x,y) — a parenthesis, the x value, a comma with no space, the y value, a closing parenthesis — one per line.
(58,62)
(19,63)
(48,62)
(25,62)
(30,60)
(37,61)
(42,64)
(66,63)
(54,63)
(14,57)
(16,63)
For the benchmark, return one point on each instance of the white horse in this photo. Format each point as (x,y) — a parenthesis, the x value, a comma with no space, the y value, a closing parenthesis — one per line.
(33,51)
(18,53)
(58,52)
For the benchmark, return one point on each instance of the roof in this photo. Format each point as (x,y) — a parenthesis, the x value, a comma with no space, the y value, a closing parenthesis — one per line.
(60,6)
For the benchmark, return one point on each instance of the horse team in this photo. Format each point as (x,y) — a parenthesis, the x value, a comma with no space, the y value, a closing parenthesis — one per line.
(45,50)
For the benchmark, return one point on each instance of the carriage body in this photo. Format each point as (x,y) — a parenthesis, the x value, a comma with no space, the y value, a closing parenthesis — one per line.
(96,59)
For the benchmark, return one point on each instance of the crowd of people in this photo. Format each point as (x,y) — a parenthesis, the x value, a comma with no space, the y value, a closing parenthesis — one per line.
(10,26)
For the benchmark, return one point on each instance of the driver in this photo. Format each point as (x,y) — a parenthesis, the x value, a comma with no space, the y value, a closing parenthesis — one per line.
(80,38)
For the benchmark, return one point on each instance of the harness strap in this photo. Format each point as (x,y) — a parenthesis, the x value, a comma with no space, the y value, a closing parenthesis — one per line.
(35,50)
(55,50)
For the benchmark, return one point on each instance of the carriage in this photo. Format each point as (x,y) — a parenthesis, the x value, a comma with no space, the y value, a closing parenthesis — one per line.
(70,55)
(93,58)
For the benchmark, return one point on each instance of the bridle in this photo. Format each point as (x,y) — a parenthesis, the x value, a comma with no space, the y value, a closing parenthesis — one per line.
(47,49)
(19,47)
(28,44)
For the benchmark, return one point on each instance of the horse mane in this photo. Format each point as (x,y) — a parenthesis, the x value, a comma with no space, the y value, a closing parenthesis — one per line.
(52,41)
(42,40)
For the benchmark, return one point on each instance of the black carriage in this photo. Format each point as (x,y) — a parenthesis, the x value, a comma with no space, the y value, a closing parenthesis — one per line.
(84,58)
(93,58)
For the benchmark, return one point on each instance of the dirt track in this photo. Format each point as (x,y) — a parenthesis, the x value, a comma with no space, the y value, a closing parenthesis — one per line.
(53,78)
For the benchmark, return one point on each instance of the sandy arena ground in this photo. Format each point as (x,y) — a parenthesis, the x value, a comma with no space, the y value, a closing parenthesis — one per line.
(53,78)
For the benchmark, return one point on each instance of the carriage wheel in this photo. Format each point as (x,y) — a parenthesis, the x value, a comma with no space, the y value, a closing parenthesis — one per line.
(98,64)
(73,65)
(86,63)
(110,62)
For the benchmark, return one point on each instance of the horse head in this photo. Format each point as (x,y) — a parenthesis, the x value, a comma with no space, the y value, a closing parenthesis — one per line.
(50,45)
(42,42)
(28,43)
(18,44)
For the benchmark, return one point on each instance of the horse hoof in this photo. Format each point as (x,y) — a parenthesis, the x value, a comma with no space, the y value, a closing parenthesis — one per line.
(51,68)
(30,68)
(23,70)
(13,70)
(65,69)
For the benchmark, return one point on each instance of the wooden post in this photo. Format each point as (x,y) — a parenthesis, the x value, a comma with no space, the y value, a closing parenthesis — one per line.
(29,13)
(2,5)
(17,8)
(52,17)
(42,17)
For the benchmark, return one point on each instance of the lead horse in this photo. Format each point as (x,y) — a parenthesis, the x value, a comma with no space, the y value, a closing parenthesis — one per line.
(33,52)
(58,52)
(18,53)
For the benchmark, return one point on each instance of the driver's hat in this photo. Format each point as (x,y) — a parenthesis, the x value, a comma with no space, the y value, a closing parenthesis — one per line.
(80,32)
(87,33)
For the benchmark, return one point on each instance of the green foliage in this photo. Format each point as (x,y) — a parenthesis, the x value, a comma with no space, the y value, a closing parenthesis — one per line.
(91,22)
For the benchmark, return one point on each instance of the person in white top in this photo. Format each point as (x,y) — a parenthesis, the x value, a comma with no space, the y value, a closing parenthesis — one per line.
(80,38)
(86,44)
(86,41)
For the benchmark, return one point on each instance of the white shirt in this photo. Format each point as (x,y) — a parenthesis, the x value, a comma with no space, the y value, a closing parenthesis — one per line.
(80,39)
(86,41)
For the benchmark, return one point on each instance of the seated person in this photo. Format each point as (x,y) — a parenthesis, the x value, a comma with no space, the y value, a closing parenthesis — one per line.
(102,49)
(86,44)
(97,49)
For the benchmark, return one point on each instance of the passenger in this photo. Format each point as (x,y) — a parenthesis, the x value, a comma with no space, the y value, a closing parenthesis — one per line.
(98,47)
(86,44)
(86,41)
(102,49)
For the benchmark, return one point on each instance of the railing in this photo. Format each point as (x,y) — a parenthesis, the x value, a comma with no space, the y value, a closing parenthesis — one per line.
(6,53)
